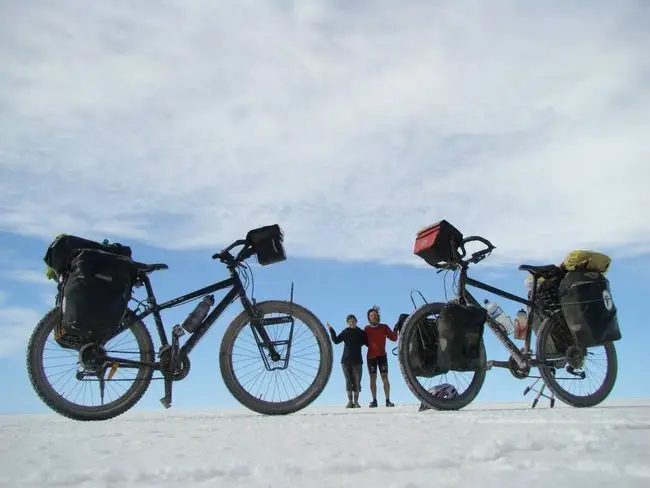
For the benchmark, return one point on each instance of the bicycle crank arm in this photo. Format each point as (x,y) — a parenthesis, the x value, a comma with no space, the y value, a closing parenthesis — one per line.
(167,399)
(497,364)
(173,363)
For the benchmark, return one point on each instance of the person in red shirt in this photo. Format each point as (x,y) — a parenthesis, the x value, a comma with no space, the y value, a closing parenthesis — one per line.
(376,356)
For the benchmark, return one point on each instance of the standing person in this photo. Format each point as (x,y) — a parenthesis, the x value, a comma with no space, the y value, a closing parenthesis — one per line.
(351,360)
(377,358)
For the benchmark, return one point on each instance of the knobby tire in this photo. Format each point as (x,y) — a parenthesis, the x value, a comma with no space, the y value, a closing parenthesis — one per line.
(68,409)
(595,398)
(308,396)
(421,393)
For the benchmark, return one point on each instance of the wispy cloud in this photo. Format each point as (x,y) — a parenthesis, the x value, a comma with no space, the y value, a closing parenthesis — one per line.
(352,126)
(16,324)
(28,276)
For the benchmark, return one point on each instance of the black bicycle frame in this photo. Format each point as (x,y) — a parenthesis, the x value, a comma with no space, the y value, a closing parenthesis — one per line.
(522,359)
(237,290)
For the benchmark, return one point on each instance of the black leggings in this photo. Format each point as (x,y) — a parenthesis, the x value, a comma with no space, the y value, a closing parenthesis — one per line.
(352,373)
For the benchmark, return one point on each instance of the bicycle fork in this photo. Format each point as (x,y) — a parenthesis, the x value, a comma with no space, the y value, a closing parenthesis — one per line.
(264,341)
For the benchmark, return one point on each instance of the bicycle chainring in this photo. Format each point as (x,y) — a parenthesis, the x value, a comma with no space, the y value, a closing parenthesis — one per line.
(516,371)
(182,368)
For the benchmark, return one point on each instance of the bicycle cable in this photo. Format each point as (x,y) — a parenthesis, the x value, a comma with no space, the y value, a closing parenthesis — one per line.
(249,277)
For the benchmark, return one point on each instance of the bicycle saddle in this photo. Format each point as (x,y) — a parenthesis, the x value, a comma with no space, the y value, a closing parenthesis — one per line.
(150,268)
(542,270)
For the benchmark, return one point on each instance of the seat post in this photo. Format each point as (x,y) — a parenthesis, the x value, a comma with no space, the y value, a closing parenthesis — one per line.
(151,298)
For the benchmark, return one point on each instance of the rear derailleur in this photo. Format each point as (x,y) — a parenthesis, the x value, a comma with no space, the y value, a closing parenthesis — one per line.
(174,364)
(93,363)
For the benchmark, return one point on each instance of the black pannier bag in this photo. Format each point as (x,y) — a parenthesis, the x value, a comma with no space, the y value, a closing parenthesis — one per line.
(66,246)
(437,243)
(96,292)
(267,242)
(460,335)
(548,298)
(423,349)
(589,309)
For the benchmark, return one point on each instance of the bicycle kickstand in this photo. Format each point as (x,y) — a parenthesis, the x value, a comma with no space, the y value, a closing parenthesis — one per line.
(540,393)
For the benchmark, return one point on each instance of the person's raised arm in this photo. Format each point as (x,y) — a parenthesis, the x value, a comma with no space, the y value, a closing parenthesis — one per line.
(336,339)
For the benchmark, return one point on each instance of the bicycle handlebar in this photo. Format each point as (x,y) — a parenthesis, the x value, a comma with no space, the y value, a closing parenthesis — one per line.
(475,258)
(483,240)
(225,256)
(478,255)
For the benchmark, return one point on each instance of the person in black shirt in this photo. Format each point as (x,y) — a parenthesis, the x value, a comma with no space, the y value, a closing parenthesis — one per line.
(351,360)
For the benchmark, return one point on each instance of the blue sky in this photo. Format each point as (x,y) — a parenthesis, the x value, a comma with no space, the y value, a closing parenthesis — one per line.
(177,128)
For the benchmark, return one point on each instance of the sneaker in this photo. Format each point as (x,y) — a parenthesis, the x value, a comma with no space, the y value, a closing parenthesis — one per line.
(389,403)
(373,404)
(356,405)
(350,405)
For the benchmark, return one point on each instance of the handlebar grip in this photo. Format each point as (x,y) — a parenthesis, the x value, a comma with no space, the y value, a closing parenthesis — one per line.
(483,240)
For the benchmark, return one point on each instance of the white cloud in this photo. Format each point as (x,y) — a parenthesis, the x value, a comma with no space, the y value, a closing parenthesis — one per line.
(28,276)
(351,126)
(16,325)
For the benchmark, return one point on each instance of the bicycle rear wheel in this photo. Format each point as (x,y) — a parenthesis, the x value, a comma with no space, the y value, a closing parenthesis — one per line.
(553,341)
(293,354)
(66,366)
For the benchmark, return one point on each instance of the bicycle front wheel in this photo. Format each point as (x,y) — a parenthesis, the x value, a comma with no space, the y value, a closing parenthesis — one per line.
(273,385)
(466,389)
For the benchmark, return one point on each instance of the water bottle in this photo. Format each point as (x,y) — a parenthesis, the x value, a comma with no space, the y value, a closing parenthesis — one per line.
(521,325)
(197,315)
(497,313)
